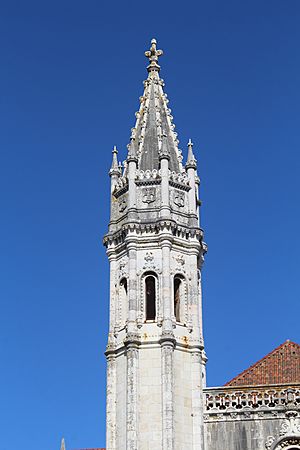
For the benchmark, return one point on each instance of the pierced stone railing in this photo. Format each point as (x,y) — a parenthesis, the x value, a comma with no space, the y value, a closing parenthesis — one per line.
(148,174)
(181,178)
(227,399)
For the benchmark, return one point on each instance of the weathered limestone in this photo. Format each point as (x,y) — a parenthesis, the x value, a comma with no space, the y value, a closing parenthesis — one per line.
(256,418)
(155,359)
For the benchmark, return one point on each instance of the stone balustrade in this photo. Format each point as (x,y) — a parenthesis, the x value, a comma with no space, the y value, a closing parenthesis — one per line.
(229,399)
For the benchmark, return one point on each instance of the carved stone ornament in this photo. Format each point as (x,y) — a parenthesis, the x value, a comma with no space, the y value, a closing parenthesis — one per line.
(179,198)
(289,433)
(122,204)
(149,195)
(123,267)
(269,442)
(290,426)
(149,258)
(180,260)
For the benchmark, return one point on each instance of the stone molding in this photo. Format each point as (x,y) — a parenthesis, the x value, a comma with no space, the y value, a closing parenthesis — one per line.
(155,227)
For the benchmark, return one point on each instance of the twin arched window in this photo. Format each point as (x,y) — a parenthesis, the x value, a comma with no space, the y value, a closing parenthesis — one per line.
(150,297)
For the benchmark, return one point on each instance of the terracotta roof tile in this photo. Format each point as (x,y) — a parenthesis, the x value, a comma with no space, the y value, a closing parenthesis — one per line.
(281,366)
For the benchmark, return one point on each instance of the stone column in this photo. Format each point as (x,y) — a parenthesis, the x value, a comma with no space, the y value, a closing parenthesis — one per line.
(191,167)
(165,203)
(192,191)
(132,162)
(167,349)
(167,364)
(132,284)
(112,304)
(197,185)
(166,284)
(111,413)
(197,400)
(200,312)
(132,394)
(195,296)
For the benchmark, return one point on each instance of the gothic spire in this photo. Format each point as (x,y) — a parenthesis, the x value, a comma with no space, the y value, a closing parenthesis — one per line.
(62,446)
(154,126)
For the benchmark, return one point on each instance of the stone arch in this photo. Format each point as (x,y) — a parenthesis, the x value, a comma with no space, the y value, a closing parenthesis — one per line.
(180,298)
(123,301)
(287,443)
(149,296)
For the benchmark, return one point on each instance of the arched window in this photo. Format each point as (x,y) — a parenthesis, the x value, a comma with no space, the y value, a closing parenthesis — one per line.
(123,298)
(177,297)
(150,297)
(123,284)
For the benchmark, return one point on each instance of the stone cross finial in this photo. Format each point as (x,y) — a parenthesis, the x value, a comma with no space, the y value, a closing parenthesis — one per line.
(153,54)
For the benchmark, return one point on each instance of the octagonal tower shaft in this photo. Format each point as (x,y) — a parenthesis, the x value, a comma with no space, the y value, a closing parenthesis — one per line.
(155,352)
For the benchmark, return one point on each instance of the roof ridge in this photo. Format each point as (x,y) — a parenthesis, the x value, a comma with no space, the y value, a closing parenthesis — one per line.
(285,343)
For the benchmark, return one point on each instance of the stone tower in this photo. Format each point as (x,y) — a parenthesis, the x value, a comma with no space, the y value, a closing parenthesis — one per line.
(155,353)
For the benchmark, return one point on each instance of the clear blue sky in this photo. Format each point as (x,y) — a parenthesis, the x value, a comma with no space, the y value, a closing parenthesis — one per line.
(71,75)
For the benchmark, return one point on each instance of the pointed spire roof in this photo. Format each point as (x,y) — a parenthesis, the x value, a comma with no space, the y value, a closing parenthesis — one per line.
(154,126)
(281,366)
(62,446)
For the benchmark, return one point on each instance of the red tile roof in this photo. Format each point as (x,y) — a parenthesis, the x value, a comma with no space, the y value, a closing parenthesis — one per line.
(281,366)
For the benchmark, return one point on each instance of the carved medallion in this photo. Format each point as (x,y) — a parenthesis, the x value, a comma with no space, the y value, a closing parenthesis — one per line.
(149,195)
(122,204)
(123,267)
(179,198)
(149,258)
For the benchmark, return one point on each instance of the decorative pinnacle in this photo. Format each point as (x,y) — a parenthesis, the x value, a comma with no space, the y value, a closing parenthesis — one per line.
(62,447)
(114,165)
(191,160)
(153,54)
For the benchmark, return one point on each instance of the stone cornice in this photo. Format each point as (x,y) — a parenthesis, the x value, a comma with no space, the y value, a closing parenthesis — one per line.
(159,225)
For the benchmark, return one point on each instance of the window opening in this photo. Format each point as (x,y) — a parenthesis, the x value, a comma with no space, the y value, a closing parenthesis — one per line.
(150,298)
(177,289)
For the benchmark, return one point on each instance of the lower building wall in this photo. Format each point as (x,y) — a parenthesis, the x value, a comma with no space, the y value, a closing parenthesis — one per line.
(252,418)
(240,434)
